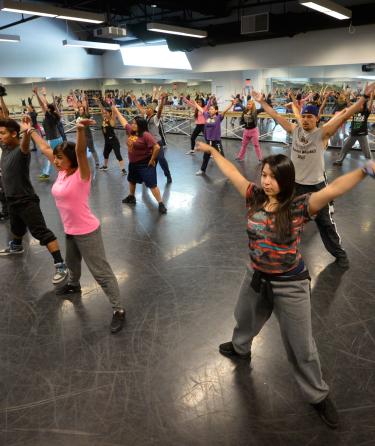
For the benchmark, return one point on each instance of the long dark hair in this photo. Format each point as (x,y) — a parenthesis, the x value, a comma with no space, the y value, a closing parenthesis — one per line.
(68,149)
(52,109)
(200,102)
(283,169)
(141,124)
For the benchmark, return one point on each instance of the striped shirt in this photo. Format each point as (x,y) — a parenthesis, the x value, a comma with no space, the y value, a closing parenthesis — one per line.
(267,253)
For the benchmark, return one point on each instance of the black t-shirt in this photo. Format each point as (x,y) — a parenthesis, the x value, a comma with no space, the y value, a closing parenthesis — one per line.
(33,115)
(249,120)
(15,170)
(359,123)
(50,126)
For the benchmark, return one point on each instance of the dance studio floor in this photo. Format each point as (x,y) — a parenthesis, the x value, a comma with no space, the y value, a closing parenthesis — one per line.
(65,380)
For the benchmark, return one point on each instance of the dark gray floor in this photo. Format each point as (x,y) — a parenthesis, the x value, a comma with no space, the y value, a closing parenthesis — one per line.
(64,380)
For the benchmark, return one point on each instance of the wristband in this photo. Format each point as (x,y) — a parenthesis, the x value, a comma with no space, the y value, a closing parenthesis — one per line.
(368,169)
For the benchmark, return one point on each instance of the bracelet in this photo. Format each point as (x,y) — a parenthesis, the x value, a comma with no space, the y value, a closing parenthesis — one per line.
(30,131)
(368,169)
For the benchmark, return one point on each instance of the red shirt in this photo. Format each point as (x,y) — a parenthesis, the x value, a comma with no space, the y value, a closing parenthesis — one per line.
(139,147)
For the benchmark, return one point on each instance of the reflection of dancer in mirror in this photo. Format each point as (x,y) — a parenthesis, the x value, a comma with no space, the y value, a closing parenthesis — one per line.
(278,280)
(82,229)
(249,122)
(199,120)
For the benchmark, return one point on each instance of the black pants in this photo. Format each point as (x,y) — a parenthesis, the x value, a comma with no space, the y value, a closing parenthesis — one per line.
(25,214)
(207,156)
(325,222)
(112,144)
(198,129)
(3,200)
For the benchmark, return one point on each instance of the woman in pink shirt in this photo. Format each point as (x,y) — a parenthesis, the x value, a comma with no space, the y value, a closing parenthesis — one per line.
(200,120)
(71,192)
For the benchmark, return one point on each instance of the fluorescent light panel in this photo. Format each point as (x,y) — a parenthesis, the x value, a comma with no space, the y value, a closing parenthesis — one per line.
(89,44)
(9,38)
(179,30)
(158,56)
(44,10)
(328,7)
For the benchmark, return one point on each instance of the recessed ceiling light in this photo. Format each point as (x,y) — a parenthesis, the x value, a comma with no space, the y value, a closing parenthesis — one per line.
(89,44)
(9,38)
(328,7)
(178,30)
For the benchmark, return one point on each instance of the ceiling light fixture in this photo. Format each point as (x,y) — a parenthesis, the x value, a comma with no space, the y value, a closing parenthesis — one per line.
(89,44)
(44,10)
(328,7)
(9,38)
(179,30)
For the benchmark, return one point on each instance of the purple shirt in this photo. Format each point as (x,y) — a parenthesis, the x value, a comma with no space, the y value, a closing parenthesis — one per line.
(212,127)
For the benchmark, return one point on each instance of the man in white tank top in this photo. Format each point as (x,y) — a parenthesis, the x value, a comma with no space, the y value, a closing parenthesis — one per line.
(308,146)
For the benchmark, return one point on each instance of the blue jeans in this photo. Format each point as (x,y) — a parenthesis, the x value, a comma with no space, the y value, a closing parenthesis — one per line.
(46,170)
(162,161)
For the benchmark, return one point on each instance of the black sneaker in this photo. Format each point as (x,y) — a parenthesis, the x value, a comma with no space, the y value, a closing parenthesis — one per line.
(68,289)
(227,349)
(118,320)
(130,199)
(103,168)
(337,163)
(342,262)
(13,248)
(123,172)
(327,412)
(162,208)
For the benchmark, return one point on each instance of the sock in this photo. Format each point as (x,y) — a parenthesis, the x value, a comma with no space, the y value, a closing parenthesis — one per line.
(57,258)
(17,241)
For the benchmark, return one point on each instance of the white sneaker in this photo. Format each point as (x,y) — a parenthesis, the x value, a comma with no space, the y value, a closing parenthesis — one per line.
(200,172)
(190,152)
(61,273)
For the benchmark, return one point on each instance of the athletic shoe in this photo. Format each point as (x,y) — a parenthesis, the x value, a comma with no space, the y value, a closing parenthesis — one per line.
(4,216)
(162,208)
(337,163)
(239,159)
(13,248)
(97,165)
(190,152)
(169,179)
(200,172)
(60,274)
(123,171)
(118,320)
(103,168)
(68,289)
(342,262)
(43,177)
(327,412)
(130,199)
(227,349)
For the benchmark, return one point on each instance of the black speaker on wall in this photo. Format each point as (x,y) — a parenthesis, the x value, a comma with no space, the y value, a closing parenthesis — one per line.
(368,67)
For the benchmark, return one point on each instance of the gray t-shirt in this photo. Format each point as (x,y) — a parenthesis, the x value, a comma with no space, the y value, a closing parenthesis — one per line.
(153,127)
(15,172)
(307,155)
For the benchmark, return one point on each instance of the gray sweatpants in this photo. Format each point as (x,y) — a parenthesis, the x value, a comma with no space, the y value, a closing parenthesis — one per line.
(293,311)
(349,143)
(90,247)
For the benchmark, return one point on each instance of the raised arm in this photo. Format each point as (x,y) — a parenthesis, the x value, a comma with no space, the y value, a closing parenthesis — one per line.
(285,124)
(339,187)
(81,149)
(226,110)
(323,104)
(116,114)
(29,131)
(333,125)
(40,101)
(228,169)
(161,105)
(295,108)
(370,102)
(137,104)
(4,108)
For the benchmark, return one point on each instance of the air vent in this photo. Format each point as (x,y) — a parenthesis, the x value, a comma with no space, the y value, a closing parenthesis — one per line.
(255,23)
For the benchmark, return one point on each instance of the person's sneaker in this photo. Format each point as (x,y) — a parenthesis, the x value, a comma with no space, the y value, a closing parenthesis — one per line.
(162,208)
(3,216)
(200,172)
(97,165)
(103,168)
(190,152)
(337,163)
(327,412)
(60,274)
(68,289)
(342,262)
(227,349)
(239,159)
(118,320)
(12,248)
(130,199)
(169,179)
(43,177)
(123,171)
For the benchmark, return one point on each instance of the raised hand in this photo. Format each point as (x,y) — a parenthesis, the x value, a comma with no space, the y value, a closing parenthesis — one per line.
(370,88)
(257,96)
(25,123)
(35,90)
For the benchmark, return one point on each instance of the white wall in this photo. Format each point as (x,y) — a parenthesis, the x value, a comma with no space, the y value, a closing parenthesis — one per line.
(40,52)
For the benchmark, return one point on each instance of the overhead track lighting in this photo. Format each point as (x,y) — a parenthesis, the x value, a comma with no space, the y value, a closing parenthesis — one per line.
(179,30)
(9,38)
(328,7)
(44,10)
(89,44)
